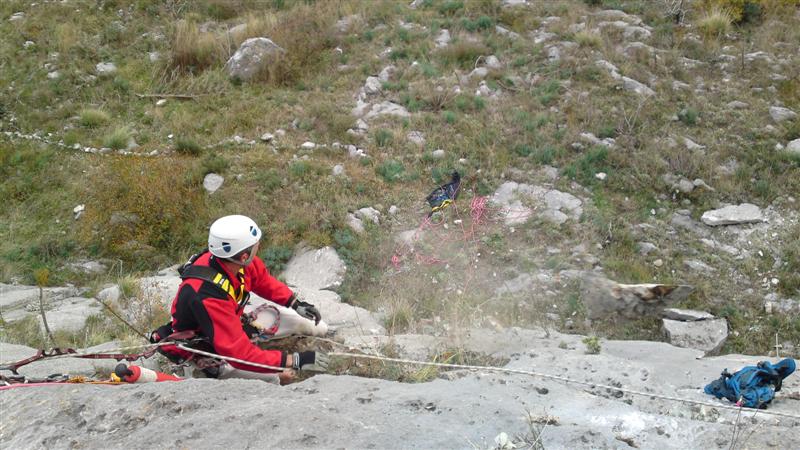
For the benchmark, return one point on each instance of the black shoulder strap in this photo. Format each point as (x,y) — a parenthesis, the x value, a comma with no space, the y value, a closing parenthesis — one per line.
(206,273)
(218,279)
(191,261)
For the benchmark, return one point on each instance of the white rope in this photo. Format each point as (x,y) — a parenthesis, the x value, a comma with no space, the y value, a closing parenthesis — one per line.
(228,358)
(559,378)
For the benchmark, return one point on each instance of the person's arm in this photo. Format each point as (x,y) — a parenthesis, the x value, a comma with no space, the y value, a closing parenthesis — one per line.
(265,285)
(220,323)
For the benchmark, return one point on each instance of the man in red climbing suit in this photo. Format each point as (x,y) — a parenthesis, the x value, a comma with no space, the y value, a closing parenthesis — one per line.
(210,302)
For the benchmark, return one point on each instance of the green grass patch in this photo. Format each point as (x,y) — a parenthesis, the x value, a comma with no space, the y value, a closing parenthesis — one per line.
(93,118)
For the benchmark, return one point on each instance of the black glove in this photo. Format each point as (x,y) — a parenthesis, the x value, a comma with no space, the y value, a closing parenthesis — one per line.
(310,361)
(307,310)
(122,371)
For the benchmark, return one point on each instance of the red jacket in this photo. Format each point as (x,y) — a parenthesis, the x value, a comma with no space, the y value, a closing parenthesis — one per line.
(201,307)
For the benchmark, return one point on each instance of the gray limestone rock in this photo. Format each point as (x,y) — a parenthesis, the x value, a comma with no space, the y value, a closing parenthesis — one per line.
(793,147)
(315,269)
(369,213)
(733,215)
(686,315)
(387,108)
(105,68)
(698,266)
(707,335)
(212,182)
(252,57)
(781,114)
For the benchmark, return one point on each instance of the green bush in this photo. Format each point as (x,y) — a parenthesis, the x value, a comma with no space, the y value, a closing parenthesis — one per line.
(276,258)
(688,116)
(450,7)
(214,163)
(383,137)
(391,170)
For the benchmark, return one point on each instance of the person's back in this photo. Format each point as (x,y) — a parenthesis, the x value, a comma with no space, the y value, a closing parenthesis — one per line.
(211,299)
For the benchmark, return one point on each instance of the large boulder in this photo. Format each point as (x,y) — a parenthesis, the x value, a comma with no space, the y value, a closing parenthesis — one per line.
(253,56)
(706,335)
(315,269)
(604,298)
(733,215)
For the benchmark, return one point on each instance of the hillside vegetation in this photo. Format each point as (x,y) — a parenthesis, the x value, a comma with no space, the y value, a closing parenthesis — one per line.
(168,114)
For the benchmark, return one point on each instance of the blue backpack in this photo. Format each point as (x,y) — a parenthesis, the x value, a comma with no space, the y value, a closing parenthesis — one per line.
(753,386)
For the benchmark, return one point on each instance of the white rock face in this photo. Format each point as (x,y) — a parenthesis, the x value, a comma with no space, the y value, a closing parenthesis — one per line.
(315,269)
(707,335)
(733,215)
(212,182)
(781,114)
(253,56)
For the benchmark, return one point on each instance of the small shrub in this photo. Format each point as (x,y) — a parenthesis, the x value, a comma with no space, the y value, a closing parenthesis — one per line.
(299,169)
(383,137)
(93,118)
(715,23)
(118,139)
(584,169)
(449,117)
(276,257)
(588,39)
(688,116)
(450,7)
(187,146)
(463,54)
(592,345)
(214,163)
(193,51)
(523,150)
(67,36)
(391,170)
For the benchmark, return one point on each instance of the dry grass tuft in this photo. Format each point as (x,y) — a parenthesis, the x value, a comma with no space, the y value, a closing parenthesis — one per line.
(715,23)
(588,39)
(193,51)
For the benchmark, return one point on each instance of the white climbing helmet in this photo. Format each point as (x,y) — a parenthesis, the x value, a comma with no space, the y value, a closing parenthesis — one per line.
(230,235)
